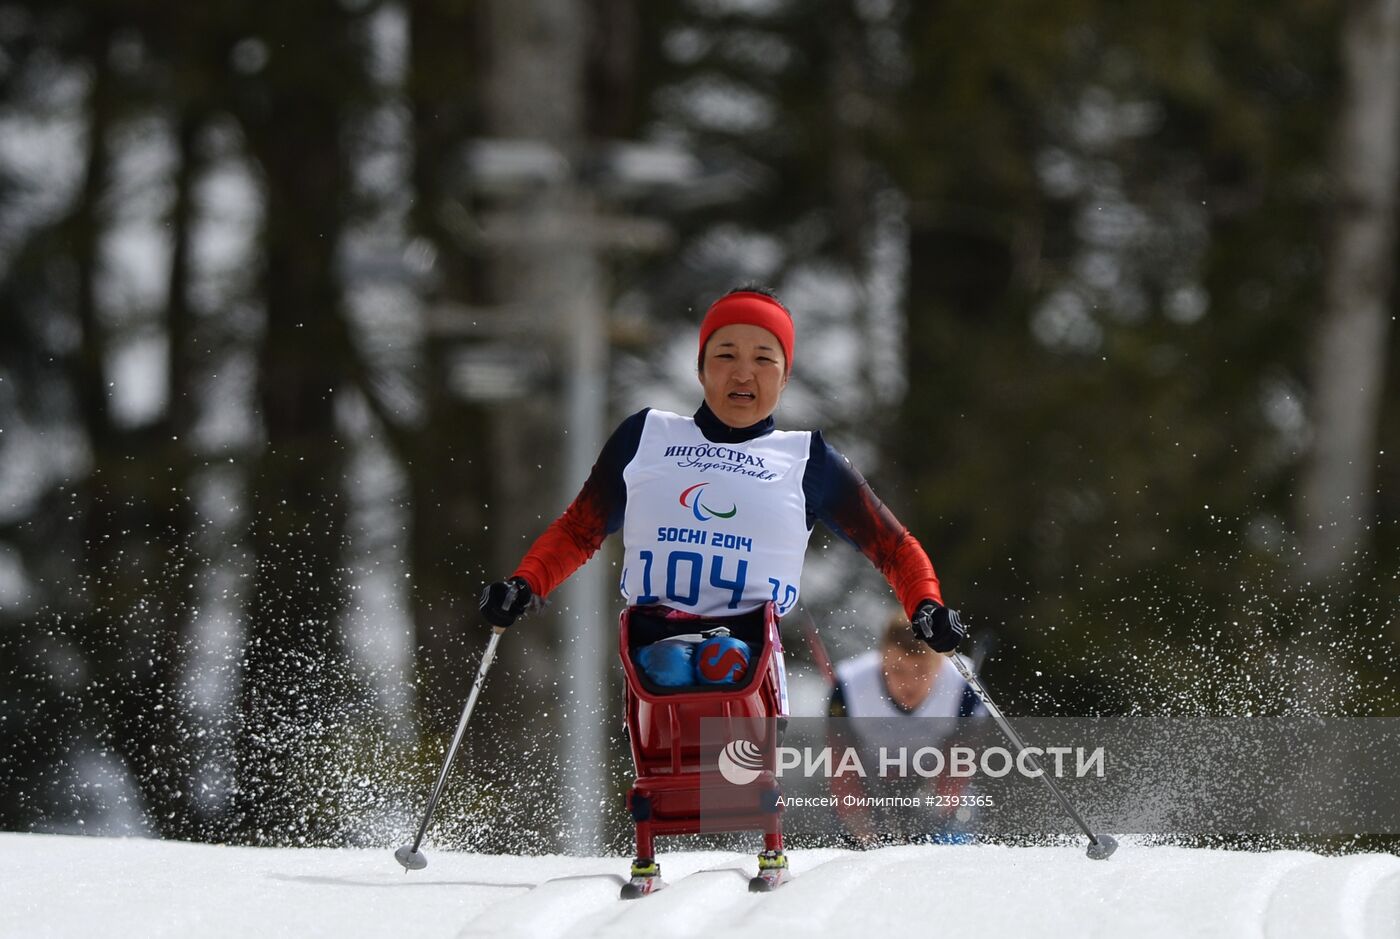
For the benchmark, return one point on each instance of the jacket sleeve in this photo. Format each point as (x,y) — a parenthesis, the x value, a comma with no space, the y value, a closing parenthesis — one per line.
(595,513)
(840,498)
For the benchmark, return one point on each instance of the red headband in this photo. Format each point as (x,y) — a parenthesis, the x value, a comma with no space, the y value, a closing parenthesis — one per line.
(753,309)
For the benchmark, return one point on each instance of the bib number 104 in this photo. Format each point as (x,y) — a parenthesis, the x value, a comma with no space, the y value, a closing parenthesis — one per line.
(685,572)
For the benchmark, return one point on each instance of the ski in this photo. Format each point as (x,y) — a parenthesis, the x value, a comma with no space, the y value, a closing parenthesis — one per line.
(646,879)
(773,872)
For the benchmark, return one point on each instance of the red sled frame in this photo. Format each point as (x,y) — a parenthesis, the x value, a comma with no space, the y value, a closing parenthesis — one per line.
(663,728)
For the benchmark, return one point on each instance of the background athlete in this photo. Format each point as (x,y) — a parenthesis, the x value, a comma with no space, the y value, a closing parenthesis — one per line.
(898,695)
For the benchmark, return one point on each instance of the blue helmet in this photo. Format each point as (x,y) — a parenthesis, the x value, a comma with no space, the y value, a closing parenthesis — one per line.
(722,660)
(668,662)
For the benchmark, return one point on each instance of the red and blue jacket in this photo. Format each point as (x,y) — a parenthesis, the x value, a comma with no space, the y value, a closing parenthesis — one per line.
(832,491)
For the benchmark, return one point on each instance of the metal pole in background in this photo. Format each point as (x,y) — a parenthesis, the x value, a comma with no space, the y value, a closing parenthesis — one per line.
(586,625)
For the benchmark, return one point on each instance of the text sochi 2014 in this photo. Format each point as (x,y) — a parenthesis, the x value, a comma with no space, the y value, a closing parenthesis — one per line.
(716,539)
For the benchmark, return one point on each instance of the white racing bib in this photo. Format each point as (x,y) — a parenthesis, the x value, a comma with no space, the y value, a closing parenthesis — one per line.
(714,528)
(863,681)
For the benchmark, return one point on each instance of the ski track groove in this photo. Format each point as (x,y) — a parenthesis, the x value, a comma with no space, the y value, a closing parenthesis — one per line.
(806,905)
(535,912)
(1366,892)
(684,910)
(1383,907)
(712,901)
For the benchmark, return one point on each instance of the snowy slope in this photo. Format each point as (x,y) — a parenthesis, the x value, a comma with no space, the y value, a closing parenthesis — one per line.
(66,886)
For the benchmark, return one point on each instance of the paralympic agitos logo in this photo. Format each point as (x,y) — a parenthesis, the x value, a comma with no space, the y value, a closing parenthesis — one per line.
(690,498)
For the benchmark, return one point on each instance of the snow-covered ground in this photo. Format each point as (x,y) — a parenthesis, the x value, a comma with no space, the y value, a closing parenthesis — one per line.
(69,886)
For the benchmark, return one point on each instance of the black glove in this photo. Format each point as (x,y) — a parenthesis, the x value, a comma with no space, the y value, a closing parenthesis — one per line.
(504,601)
(938,626)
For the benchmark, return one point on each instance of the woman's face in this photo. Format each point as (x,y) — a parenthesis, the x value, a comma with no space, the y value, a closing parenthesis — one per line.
(743,374)
(908,678)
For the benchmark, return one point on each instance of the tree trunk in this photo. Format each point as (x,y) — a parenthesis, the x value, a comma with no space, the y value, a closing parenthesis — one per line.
(535,90)
(294,682)
(168,781)
(1338,486)
(449,469)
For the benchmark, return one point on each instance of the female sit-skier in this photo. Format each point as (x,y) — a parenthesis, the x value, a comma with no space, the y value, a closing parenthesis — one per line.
(785,480)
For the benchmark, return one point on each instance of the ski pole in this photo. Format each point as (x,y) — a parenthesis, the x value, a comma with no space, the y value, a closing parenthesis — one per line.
(814,642)
(410,857)
(1100,846)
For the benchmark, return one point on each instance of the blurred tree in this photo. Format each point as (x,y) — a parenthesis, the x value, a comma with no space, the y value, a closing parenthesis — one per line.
(295,681)
(1110,277)
(114,587)
(514,315)
(450,472)
(544,300)
(1337,496)
(43,706)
